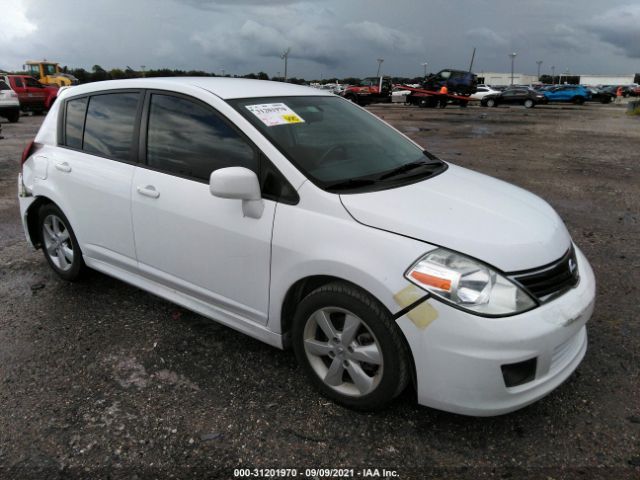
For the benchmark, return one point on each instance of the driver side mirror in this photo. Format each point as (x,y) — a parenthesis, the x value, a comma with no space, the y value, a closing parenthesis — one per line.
(238,183)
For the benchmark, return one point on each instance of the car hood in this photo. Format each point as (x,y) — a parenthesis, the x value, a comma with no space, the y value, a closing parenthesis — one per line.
(491,220)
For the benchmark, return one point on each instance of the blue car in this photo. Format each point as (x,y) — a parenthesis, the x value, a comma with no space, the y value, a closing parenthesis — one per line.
(568,93)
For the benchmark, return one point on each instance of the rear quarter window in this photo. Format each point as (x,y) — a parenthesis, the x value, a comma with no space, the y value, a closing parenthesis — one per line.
(74,122)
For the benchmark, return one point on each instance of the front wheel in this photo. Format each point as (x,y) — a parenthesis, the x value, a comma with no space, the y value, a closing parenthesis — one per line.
(349,347)
(490,103)
(59,243)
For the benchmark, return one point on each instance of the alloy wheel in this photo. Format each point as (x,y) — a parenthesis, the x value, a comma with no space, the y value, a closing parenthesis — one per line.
(343,351)
(57,242)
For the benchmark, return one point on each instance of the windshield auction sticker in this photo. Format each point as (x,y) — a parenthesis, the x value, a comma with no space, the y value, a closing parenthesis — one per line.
(272,114)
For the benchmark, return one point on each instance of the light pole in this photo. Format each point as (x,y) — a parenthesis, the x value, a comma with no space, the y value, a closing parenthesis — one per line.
(380,60)
(143,67)
(285,57)
(513,57)
(222,68)
(539,62)
(425,68)
(553,74)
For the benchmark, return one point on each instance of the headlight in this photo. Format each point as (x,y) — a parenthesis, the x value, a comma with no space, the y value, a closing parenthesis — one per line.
(468,284)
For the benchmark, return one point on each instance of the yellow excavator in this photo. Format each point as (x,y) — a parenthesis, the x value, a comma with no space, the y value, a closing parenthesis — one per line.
(49,73)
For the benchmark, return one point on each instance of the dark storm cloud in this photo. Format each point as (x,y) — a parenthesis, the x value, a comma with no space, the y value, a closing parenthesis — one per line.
(329,37)
(621,28)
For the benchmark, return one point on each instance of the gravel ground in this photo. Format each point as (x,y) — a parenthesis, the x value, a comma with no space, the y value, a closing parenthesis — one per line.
(101,380)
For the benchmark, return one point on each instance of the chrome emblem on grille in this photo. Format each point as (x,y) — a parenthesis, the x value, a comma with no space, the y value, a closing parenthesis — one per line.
(572,265)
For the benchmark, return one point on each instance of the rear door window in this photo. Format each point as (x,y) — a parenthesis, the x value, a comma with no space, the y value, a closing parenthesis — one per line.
(189,139)
(18,82)
(110,123)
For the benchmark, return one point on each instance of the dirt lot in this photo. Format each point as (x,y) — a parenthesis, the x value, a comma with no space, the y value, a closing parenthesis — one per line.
(101,380)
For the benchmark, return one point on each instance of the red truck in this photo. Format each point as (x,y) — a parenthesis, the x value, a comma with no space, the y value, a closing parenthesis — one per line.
(370,90)
(33,95)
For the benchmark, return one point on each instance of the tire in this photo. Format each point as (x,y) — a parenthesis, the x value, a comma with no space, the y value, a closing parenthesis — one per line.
(578,100)
(59,243)
(491,103)
(13,117)
(337,366)
(352,98)
(528,103)
(605,100)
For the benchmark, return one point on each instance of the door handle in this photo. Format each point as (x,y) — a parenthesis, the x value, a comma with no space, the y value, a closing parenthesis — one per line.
(148,191)
(63,167)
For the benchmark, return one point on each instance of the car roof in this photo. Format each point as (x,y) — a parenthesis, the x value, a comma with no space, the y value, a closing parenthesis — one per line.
(223,87)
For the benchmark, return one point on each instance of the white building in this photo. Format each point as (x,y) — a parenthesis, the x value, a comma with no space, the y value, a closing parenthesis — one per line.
(502,79)
(606,79)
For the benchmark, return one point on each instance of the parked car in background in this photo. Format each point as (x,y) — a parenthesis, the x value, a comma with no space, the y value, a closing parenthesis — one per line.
(514,96)
(601,95)
(298,218)
(483,91)
(577,94)
(9,103)
(33,95)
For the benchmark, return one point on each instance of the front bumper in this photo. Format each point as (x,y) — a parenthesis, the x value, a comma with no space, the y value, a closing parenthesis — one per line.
(458,356)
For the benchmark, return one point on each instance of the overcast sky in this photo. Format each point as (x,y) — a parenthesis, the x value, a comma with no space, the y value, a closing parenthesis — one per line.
(327,38)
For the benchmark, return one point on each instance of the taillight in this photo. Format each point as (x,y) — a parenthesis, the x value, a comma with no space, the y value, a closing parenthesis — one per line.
(27,152)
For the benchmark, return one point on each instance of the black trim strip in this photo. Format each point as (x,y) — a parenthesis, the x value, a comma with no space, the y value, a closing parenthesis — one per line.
(407,309)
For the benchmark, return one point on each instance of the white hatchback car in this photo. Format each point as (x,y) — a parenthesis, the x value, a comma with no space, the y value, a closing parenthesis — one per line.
(299,218)
(9,102)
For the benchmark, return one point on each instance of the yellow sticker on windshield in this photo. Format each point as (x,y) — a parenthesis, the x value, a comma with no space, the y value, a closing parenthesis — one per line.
(272,114)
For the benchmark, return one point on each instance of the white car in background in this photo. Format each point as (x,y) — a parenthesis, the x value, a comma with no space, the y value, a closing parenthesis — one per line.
(483,91)
(9,103)
(399,95)
(303,220)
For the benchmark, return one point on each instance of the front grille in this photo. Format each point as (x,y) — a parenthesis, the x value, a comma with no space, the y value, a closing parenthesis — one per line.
(551,280)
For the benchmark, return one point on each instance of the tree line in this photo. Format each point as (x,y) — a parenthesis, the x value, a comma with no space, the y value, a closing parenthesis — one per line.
(97,74)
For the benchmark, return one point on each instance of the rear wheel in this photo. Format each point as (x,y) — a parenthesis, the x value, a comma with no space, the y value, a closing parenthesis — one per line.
(528,103)
(59,243)
(578,100)
(490,103)
(13,117)
(349,347)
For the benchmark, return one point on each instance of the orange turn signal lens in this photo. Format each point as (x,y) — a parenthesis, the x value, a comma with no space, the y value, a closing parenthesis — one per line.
(431,280)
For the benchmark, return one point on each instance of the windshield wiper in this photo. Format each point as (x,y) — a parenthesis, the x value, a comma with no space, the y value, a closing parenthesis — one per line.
(350,183)
(407,167)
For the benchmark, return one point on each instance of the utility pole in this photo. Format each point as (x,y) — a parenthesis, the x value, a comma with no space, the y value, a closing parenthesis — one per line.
(143,67)
(473,56)
(553,74)
(513,57)
(425,68)
(285,57)
(539,62)
(380,60)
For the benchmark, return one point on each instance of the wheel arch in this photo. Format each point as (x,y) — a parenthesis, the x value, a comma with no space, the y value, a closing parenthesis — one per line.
(32,220)
(300,289)
(304,286)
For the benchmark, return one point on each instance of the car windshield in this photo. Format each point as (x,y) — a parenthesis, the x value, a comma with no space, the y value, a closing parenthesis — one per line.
(338,146)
